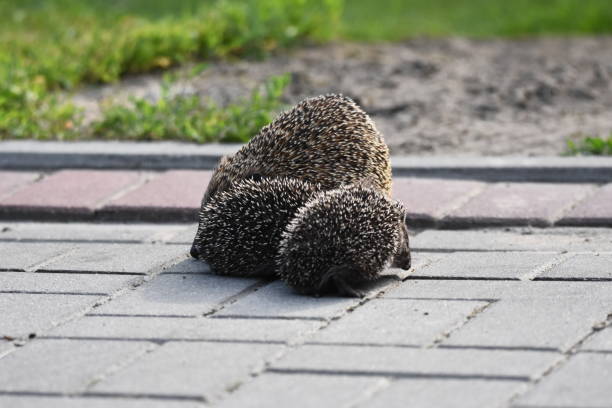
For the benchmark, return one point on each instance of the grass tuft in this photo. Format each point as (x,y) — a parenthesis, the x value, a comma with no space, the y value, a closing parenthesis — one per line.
(589,145)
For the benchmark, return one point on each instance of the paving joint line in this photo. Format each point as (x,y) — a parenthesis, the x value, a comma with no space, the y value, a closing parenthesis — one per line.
(566,355)
(143,178)
(105,395)
(557,260)
(371,391)
(569,207)
(446,334)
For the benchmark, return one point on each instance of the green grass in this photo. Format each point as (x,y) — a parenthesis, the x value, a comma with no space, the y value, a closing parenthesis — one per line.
(589,145)
(49,48)
(392,20)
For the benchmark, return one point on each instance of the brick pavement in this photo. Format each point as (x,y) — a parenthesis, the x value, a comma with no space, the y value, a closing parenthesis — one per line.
(118,315)
(174,196)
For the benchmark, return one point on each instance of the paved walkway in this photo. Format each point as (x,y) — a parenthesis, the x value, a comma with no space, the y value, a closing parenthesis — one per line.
(119,316)
(174,196)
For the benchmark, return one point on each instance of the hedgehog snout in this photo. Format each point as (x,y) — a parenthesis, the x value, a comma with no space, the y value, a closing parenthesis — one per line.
(194,252)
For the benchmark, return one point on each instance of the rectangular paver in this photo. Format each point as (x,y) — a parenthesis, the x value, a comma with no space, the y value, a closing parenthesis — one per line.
(176,192)
(191,369)
(582,266)
(78,192)
(17,256)
(399,322)
(62,365)
(398,361)
(89,402)
(278,300)
(24,314)
(64,283)
(489,265)
(13,181)
(171,295)
(600,341)
(302,390)
(444,394)
(130,327)
(584,381)
(429,199)
(117,258)
(538,204)
(595,210)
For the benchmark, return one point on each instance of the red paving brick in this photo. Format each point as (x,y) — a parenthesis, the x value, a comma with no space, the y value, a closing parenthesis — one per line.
(429,199)
(595,210)
(174,192)
(537,204)
(74,191)
(13,181)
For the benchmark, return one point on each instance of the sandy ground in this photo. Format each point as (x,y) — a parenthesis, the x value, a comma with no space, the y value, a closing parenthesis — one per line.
(452,96)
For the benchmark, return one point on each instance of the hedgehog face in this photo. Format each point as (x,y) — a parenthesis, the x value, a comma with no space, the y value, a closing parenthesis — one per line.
(401,258)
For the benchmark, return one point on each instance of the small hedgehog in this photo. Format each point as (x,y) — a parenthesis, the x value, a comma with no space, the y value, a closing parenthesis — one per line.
(326,140)
(240,229)
(341,238)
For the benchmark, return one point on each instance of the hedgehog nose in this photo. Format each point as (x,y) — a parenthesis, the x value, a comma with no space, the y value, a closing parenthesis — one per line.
(194,252)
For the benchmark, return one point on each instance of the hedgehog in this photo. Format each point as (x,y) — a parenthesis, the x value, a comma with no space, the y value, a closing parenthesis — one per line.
(327,140)
(342,238)
(240,229)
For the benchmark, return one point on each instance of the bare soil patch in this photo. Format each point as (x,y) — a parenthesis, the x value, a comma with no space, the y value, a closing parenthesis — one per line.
(446,96)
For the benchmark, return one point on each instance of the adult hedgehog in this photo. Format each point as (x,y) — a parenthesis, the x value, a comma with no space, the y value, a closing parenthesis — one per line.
(327,140)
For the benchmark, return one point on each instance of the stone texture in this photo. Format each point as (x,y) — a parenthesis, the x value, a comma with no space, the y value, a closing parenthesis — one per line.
(278,300)
(595,210)
(600,341)
(398,322)
(117,258)
(176,295)
(53,231)
(429,199)
(444,394)
(176,193)
(62,365)
(13,181)
(533,322)
(398,361)
(188,265)
(514,239)
(490,265)
(78,192)
(129,327)
(23,314)
(185,236)
(113,402)
(301,390)
(584,381)
(19,256)
(193,369)
(63,283)
(582,266)
(538,204)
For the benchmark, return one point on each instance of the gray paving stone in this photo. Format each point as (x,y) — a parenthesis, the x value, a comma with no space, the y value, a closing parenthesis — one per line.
(515,239)
(20,256)
(398,321)
(492,265)
(5,347)
(61,365)
(117,258)
(410,361)
(533,322)
(23,314)
(192,369)
(600,341)
(584,381)
(86,231)
(64,402)
(129,327)
(64,282)
(188,265)
(184,236)
(171,295)
(278,300)
(444,394)
(301,390)
(583,266)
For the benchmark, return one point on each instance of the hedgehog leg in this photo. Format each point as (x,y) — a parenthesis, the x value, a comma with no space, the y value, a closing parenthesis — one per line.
(336,275)
(266,271)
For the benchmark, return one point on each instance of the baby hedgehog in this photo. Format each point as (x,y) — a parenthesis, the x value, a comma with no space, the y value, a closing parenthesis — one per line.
(341,238)
(326,140)
(240,229)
